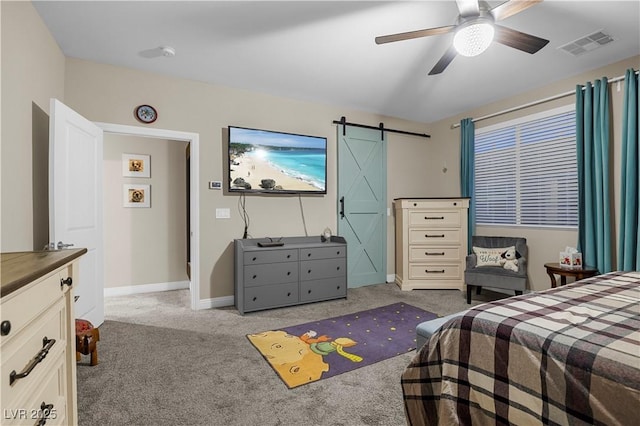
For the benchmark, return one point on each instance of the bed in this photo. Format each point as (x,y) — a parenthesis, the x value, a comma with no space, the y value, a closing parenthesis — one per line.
(568,355)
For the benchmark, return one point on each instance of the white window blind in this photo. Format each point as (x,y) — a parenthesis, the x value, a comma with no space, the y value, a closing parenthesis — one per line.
(526,171)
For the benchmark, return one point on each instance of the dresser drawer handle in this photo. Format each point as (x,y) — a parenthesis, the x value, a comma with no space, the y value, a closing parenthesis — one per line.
(439,271)
(439,253)
(434,217)
(47,344)
(434,236)
(5,327)
(67,281)
(46,410)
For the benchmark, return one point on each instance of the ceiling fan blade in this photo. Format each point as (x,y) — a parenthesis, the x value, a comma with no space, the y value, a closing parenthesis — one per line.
(444,61)
(414,34)
(521,41)
(468,7)
(510,8)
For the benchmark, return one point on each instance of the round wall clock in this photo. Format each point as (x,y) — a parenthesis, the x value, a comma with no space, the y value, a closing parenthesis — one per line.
(146,113)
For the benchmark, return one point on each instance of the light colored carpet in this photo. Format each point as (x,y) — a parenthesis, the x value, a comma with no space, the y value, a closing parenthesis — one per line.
(162,363)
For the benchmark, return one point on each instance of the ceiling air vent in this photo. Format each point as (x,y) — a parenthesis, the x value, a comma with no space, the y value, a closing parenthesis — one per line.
(587,43)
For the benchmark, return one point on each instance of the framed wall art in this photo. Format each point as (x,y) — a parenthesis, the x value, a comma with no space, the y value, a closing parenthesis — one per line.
(136,165)
(135,195)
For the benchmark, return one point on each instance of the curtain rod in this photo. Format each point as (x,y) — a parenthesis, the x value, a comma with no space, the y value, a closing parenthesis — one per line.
(380,127)
(530,104)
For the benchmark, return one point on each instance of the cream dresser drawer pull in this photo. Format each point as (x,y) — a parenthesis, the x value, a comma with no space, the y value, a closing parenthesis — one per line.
(5,328)
(67,281)
(47,344)
(439,271)
(434,236)
(46,410)
(438,253)
(434,218)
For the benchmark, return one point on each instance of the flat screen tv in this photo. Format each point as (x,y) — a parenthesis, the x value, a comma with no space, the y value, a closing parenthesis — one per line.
(264,161)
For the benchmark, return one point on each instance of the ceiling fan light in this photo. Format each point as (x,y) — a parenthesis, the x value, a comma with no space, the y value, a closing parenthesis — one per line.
(472,40)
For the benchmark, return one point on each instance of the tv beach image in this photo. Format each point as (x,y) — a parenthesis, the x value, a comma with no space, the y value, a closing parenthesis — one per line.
(265,161)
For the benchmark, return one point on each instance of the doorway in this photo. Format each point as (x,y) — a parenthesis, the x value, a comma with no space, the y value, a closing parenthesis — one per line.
(192,139)
(145,242)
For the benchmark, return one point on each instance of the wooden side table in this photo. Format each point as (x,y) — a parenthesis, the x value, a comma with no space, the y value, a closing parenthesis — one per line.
(577,273)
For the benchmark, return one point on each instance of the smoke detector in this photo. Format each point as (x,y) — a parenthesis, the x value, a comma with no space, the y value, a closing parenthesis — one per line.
(168,52)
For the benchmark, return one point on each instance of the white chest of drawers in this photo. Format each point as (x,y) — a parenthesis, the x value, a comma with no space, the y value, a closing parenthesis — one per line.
(37,338)
(431,242)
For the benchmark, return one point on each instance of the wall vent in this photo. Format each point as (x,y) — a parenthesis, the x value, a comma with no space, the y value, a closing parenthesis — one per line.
(587,43)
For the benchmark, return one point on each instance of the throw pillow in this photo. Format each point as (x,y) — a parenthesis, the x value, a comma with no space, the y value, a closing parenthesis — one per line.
(490,256)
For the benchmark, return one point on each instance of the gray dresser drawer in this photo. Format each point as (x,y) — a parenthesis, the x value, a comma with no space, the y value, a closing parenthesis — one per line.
(272,296)
(276,273)
(323,252)
(331,288)
(324,268)
(259,257)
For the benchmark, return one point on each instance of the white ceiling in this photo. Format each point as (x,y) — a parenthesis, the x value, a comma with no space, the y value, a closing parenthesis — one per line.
(324,51)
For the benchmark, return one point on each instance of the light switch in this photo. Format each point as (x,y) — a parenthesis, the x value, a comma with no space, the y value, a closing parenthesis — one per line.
(223,213)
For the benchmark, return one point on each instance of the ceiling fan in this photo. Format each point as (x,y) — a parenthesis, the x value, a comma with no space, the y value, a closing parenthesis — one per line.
(475,29)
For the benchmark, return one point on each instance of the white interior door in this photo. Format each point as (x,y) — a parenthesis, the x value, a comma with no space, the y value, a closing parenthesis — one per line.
(75,201)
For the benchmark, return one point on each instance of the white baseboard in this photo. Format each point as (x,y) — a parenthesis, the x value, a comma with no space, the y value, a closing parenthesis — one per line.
(216,302)
(145,288)
(391,278)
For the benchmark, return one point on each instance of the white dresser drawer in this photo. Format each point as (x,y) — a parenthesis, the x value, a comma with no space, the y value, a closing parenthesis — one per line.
(20,309)
(434,255)
(434,219)
(433,203)
(435,272)
(435,237)
(48,392)
(18,355)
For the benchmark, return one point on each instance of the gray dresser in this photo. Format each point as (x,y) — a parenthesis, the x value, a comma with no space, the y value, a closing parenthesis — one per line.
(303,270)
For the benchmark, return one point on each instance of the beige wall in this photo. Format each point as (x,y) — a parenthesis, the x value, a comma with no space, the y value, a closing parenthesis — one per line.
(109,94)
(145,245)
(32,72)
(544,244)
(34,69)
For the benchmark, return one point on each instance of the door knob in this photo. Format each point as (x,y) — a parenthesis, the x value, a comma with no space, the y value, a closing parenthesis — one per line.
(62,245)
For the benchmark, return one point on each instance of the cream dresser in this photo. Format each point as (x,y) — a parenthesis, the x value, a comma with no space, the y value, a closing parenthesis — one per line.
(431,242)
(37,338)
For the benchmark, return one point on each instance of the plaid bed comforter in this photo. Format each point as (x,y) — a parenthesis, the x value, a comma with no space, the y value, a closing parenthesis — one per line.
(565,356)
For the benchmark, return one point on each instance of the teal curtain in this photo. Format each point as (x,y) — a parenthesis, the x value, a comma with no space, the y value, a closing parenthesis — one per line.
(594,187)
(467,171)
(629,244)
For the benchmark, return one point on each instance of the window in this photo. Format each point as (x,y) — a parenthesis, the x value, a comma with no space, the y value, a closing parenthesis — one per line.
(526,171)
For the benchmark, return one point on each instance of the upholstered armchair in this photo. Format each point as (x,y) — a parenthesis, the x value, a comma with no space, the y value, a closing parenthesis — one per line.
(486,265)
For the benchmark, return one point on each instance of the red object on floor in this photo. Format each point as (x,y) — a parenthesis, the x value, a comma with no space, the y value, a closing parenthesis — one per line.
(86,338)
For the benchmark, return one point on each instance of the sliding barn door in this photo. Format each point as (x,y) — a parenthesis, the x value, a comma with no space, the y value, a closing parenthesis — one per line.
(362,203)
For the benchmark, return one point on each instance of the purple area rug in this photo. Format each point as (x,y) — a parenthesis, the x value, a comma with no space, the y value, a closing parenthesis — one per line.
(317,350)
